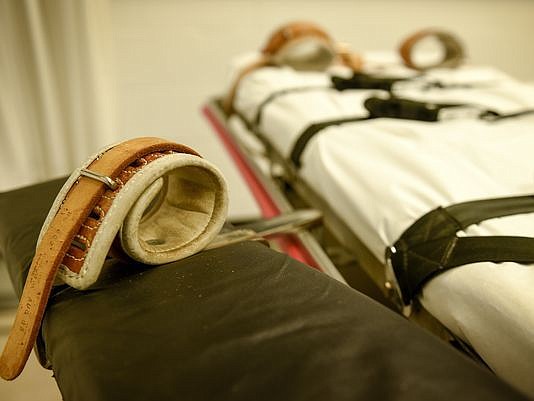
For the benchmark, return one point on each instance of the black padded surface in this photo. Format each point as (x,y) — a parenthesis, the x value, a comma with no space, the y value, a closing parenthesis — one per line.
(236,323)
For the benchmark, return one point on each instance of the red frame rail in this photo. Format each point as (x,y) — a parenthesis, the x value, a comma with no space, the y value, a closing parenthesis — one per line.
(290,244)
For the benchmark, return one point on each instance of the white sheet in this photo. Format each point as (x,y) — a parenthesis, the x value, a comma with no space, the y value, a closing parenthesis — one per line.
(381,175)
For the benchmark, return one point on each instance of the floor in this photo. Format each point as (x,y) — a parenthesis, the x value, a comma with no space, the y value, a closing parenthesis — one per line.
(35,383)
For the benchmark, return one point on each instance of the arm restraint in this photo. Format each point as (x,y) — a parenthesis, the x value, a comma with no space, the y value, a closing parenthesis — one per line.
(453,54)
(154,200)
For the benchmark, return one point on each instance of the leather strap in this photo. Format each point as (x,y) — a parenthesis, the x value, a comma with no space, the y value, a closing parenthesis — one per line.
(283,37)
(57,242)
(454,52)
(291,31)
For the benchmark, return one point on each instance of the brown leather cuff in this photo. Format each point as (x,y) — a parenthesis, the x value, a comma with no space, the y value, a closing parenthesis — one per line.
(453,49)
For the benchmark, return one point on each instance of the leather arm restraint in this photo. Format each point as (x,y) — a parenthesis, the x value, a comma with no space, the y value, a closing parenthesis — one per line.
(154,200)
(431,246)
(280,50)
(453,50)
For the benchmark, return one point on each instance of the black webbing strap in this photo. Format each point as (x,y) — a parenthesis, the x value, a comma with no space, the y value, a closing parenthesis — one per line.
(275,95)
(405,109)
(311,131)
(365,81)
(393,107)
(356,81)
(494,116)
(430,246)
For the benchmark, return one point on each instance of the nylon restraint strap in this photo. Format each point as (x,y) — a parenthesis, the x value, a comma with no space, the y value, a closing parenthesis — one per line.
(393,107)
(431,246)
(275,95)
(311,131)
(282,38)
(365,81)
(494,116)
(74,210)
(406,109)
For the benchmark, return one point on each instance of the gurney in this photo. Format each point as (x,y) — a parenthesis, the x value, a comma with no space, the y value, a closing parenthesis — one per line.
(235,322)
(376,161)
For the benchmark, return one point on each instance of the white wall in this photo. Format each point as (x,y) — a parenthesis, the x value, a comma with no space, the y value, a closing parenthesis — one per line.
(171,56)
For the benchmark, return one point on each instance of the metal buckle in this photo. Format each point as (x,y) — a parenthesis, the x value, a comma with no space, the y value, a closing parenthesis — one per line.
(392,284)
(99,177)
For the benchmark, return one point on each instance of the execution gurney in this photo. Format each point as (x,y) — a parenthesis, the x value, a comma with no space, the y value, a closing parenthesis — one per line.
(379,150)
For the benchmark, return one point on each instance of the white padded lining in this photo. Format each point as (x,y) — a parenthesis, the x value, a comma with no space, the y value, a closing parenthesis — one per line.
(187,224)
(306,54)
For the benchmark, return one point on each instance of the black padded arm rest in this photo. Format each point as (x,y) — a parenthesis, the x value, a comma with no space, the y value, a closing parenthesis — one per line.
(22,213)
(236,323)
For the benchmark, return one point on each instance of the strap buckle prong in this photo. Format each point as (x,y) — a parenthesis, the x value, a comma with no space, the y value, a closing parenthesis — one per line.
(99,177)
(392,284)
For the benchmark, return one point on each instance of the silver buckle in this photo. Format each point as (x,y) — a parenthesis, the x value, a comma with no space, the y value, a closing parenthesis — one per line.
(392,285)
(99,177)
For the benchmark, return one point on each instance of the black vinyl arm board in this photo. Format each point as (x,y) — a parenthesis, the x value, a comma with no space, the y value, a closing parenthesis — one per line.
(237,323)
